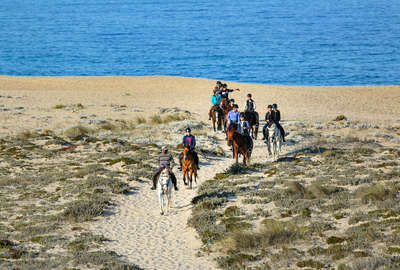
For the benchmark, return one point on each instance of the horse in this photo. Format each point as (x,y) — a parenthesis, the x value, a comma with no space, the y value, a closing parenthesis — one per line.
(276,139)
(216,116)
(164,191)
(252,119)
(189,168)
(240,144)
(226,108)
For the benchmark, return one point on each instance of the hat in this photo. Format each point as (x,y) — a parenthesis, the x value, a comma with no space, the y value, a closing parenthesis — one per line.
(188,129)
(269,106)
(249,95)
(225,85)
(164,148)
(235,106)
(219,82)
(274,106)
(241,114)
(232,100)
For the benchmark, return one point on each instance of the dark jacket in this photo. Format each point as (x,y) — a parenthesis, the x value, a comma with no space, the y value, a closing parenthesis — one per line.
(225,93)
(189,140)
(276,116)
(269,117)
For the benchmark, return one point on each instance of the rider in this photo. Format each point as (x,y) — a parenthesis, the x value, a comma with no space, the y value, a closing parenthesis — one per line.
(276,115)
(268,119)
(165,161)
(250,106)
(189,140)
(215,103)
(224,92)
(244,128)
(233,115)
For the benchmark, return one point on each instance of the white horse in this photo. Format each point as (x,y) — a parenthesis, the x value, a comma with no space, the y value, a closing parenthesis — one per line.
(276,139)
(164,191)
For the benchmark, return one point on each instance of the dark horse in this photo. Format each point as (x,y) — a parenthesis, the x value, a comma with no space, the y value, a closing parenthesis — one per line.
(226,107)
(252,119)
(217,116)
(189,168)
(240,144)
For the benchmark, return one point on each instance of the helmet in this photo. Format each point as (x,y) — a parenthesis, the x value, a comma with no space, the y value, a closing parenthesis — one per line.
(235,106)
(219,82)
(241,114)
(232,100)
(269,106)
(274,106)
(164,148)
(225,85)
(188,129)
(249,95)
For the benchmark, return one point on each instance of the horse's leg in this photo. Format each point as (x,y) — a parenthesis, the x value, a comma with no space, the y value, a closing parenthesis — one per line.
(256,132)
(190,178)
(184,176)
(236,153)
(161,199)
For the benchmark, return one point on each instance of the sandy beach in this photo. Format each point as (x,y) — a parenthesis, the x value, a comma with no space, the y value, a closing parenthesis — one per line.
(144,95)
(136,230)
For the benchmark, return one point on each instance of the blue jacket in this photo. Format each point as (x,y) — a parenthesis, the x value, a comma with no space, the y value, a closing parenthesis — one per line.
(215,99)
(189,140)
(233,116)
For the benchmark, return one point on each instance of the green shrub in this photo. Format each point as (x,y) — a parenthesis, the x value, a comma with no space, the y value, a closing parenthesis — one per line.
(340,118)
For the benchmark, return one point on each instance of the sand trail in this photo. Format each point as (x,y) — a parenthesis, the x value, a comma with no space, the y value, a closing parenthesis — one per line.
(142,236)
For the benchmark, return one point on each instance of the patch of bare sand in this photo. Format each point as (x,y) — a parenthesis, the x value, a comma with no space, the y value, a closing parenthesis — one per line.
(144,95)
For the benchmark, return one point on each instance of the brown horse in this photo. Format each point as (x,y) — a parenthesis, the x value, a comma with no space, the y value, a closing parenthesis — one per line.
(252,119)
(189,168)
(226,107)
(216,117)
(240,144)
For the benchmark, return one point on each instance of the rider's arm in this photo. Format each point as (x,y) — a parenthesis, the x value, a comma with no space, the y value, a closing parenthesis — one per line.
(254,105)
(194,142)
(172,162)
(278,116)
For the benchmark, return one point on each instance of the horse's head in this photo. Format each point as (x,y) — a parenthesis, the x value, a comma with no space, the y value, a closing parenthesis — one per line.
(164,180)
(186,149)
(230,131)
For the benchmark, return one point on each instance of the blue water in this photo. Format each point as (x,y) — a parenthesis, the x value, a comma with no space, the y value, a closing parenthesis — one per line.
(296,42)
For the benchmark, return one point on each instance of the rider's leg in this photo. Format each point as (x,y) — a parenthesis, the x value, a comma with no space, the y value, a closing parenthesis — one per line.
(282,131)
(173,179)
(257,118)
(196,159)
(155,177)
(180,161)
(264,128)
(210,112)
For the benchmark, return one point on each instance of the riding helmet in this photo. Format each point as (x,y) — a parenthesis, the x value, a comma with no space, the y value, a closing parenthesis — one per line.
(232,100)
(249,95)
(274,106)
(235,106)
(188,129)
(269,106)
(224,85)
(241,114)
(219,82)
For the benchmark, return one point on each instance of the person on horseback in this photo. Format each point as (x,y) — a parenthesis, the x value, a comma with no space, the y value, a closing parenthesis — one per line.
(243,129)
(268,119)
(250,107)
(233,115)
(215,103)
(276,116)
(224,92)
(189,140)
(165,161)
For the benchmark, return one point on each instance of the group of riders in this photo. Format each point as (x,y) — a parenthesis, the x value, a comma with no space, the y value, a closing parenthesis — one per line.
(220,94)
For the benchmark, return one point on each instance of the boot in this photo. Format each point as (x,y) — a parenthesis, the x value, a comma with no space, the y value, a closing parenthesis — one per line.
(153,188)
(176,188)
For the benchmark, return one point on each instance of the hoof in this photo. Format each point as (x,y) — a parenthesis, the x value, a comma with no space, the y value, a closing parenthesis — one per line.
(162,213)
(185,183)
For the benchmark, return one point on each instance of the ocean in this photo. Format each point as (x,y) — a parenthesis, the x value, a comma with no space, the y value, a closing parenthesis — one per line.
(314,42)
